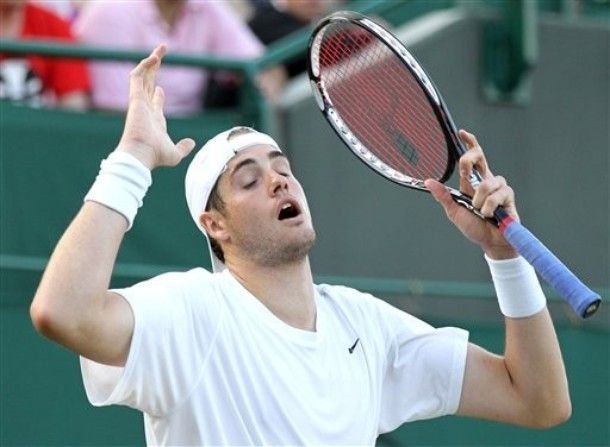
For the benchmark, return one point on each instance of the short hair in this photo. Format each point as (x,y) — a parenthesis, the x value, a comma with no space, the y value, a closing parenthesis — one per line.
(241,130)
(215,201)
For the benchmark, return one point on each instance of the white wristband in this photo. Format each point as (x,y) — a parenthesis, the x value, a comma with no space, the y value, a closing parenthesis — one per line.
(121,184)
(517,287)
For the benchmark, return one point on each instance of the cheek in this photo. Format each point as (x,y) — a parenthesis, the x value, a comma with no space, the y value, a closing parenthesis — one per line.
(243,210)
(301,193)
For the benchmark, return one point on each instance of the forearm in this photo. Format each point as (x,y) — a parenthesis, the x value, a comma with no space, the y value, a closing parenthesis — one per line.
(532,356)
(536,369)
(527,385)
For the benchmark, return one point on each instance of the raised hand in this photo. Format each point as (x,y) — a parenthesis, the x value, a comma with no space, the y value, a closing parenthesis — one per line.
(492,192)
(145,133)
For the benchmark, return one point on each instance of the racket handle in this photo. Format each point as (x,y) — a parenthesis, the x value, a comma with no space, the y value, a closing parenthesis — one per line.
(581,299)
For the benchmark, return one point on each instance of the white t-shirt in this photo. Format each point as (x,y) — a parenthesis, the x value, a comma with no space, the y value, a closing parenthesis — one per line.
(209,364)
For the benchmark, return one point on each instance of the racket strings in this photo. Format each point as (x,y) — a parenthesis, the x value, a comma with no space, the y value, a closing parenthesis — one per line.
(379,63)
(383,105)
(381,102)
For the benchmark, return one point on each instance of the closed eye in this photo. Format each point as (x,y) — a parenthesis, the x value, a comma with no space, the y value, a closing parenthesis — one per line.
(250,185)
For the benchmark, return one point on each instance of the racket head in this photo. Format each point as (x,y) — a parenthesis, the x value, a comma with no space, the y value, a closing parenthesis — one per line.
(380,101)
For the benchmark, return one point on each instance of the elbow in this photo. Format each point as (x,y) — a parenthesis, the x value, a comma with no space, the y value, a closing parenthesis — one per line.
(41,317)
(561,414)
(45,319)
(557,414)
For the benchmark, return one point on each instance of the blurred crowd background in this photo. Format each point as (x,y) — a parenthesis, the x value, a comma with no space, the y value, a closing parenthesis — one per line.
(236,29)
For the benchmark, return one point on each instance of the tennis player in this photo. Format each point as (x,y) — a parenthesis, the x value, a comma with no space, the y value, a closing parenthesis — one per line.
(255,353)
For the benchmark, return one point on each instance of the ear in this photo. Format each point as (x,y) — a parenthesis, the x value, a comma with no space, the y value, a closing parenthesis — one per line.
(214,224)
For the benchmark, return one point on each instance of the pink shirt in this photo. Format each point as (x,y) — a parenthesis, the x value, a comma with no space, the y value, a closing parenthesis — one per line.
(205,27)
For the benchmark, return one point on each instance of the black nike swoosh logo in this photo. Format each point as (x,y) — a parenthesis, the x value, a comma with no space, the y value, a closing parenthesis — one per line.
(351,350)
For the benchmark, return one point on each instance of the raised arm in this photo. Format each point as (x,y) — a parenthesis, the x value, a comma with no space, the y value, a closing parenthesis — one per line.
(527,385)
(72,305)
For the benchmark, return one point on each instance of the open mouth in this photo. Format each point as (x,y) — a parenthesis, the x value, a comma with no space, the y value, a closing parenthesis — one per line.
(288,211)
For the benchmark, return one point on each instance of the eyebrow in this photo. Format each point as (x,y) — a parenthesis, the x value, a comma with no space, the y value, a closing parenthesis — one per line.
(249,161)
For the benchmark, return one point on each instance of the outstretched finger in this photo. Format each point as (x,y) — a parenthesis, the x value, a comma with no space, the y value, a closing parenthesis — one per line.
(474,158)
(158,99)
(150,71)
(140,81)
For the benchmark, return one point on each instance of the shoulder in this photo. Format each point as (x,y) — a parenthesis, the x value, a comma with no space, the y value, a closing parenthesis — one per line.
(96,10)
(176,296)
(180,278)
(211,9)
(266,15)
(223,19)
(269,24)
(98,17)
(171,285)
(45,21)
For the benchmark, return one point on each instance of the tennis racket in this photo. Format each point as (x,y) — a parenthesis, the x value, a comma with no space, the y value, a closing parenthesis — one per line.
(385,108)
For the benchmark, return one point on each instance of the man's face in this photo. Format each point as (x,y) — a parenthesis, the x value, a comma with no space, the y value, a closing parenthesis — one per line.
(266,215)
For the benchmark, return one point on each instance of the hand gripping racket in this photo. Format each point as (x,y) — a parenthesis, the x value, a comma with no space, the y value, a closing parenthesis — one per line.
(384,107)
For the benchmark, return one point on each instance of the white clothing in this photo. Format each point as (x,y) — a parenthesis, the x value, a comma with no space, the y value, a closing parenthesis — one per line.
(209,364)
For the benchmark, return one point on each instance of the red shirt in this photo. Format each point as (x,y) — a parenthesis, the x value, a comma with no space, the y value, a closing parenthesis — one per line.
(60,76)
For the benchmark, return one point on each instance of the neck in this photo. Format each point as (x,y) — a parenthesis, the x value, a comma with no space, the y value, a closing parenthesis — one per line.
(170,10)
(287,291)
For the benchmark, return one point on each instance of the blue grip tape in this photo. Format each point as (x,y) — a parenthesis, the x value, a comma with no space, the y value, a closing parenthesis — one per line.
(552,270)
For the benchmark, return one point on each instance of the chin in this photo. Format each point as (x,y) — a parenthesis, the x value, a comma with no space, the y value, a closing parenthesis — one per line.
(293,251)
(300,248)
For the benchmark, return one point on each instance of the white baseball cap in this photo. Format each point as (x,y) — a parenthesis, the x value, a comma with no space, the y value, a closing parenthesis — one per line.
(208,165)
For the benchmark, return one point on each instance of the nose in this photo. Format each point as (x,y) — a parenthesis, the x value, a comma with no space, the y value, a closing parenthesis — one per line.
(277,183)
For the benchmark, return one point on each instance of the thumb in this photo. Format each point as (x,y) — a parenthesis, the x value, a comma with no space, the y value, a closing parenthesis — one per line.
(184,147)
(181,150)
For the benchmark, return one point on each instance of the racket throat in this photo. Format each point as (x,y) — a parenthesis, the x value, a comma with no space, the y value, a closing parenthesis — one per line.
(466,202)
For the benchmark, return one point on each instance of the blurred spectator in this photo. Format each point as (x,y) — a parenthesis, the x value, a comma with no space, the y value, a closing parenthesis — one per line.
(36,80)
(274,19)
(185,26)
(67,9)
(243,8)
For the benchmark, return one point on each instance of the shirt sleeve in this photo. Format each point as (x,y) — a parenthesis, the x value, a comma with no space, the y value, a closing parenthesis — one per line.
(175,325)
(424,371)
